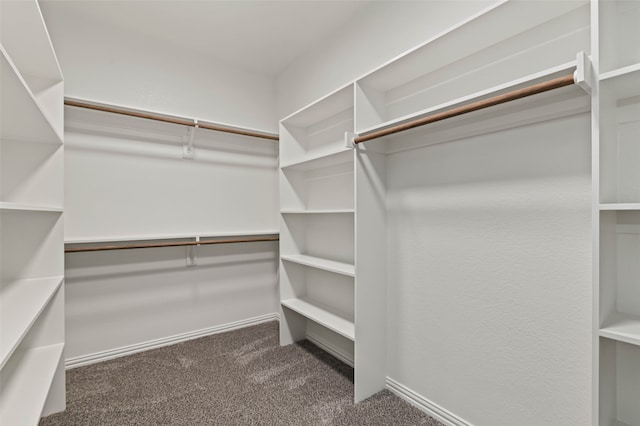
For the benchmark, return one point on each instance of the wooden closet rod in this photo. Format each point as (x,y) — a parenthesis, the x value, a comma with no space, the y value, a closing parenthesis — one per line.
(174,120)
(167,244)
(545,86)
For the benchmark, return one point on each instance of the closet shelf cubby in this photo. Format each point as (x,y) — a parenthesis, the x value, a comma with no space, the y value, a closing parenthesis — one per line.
(317,313)
(342,155)
(623,328)
(618,34)
(26,384)
(22,303)
(320,263)
(624,82)
(23,118)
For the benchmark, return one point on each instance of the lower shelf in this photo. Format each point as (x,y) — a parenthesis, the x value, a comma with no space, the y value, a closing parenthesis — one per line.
(322,316)
(622,327)
(22,303)
(26,380)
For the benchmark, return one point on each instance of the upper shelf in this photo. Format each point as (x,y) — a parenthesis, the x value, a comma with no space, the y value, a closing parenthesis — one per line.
(506,42)
(33,55)
(344,155)
(318,129)
(619,34)
(23,118)
(623,82)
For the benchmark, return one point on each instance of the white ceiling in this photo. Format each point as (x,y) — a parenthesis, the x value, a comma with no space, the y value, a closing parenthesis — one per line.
(261,35)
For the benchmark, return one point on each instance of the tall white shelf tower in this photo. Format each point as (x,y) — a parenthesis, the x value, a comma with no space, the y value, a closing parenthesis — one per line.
(32,376)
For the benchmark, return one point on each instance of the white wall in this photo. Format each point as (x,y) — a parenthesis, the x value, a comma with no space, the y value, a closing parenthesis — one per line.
(489,262)
(114,65)
(127,177)
(380,32)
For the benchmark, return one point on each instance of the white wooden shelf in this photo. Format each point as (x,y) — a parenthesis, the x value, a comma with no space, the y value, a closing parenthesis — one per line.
(623,328)
(22,117)
(624,82)
(477,96)
(620,206)
(322,316)
(26,386)
(320,263)
(322,160)
(317,211)
(29,207)
(22,303)
(122,238)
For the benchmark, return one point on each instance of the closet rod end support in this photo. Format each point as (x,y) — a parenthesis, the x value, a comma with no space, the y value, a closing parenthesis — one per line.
(348,140)
(583,75)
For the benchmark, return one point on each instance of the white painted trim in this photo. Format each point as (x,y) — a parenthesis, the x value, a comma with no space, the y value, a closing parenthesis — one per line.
(422,403)
(83,360)
(331,349)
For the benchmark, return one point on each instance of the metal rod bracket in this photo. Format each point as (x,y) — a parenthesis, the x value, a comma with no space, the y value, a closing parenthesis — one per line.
(192,254)
(187,148)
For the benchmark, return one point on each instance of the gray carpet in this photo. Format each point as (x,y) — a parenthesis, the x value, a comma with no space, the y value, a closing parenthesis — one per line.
(241,377)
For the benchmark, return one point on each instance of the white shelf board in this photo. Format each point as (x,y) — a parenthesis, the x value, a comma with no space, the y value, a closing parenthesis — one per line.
(345,155)
(321,316)
(474,97)
(624,82)
(622,327)
(29,207)
(22,117)
(620,206)
(325,107)
(23,395)
(119,238)
(22,303)
(320,263)
(317,211)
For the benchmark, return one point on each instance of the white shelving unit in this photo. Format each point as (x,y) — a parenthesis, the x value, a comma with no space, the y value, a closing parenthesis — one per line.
(317,278)
(616,210)
(32,378)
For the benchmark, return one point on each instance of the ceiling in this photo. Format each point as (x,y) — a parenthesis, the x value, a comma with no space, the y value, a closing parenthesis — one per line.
(264,36)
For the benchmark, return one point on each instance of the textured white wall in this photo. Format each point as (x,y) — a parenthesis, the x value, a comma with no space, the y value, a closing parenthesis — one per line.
(489,261)
(377,34)
(114,65)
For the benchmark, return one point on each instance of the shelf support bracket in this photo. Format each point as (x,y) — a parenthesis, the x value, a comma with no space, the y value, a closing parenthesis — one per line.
(348,140)
(187,148)
(192,254)
(583,75)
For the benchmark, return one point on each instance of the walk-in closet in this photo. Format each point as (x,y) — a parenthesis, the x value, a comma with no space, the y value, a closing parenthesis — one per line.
(359,212)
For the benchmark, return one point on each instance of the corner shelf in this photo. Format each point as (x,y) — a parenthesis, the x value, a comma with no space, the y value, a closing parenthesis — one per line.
(622,327)
(322,316)
(320,263)
(22,303)
(22,117)
(26,385)
(29,207)
(318,211)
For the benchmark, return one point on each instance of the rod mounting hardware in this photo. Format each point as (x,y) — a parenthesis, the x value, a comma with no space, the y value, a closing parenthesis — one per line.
(192,254)
(348,140)
(583,75)
(187,149)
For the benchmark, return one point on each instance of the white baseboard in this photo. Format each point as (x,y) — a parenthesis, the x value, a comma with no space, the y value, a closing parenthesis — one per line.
(328,347)
(422,403)
(82,360)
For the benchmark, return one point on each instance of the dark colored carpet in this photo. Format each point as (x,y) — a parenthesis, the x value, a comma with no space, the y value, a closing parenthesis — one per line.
(241,377)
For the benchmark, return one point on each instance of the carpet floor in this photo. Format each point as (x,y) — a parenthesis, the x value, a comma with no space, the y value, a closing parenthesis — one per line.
(242,377)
